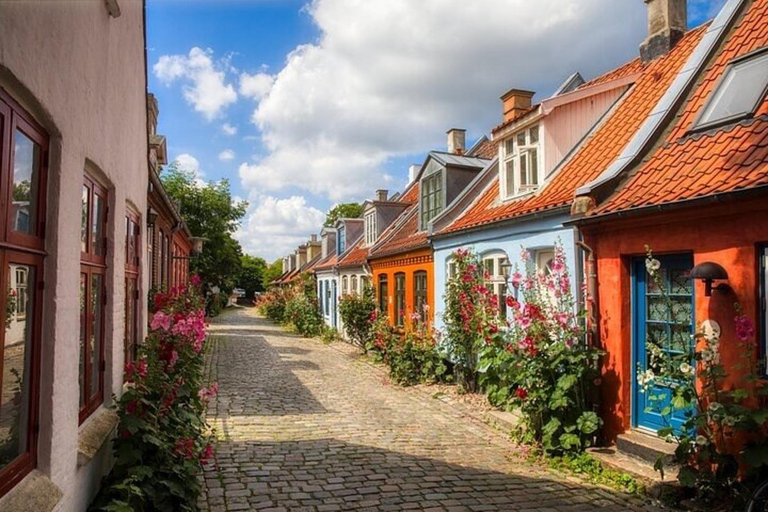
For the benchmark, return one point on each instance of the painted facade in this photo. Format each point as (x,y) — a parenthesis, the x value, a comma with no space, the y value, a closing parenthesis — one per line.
(327,278)
(700,195)
(74,118)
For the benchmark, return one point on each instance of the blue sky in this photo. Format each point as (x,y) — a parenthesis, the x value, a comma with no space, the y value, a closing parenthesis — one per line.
(305,104)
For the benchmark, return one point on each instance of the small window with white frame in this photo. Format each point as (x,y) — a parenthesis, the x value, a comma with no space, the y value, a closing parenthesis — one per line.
(741,90)
(544,259)
(370,228)
(344,285)
(452,268)
(494,274)
(520,169)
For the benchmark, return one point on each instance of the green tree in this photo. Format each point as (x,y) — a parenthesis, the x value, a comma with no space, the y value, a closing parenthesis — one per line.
(251,277)
(209,212)
(343,211)
(272,272)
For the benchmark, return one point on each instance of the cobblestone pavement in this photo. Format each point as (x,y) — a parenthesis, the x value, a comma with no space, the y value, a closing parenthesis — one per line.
(305,426)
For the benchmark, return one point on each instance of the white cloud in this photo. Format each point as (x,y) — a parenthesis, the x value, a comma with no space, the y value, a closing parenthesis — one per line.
(227,155)
(274,227)
(204,81)
(228,129)
(386,79)
(187,162)
(256,86)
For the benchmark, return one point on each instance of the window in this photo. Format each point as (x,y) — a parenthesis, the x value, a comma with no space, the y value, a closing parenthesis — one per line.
(132,305)
(764,300)
(320,295)
(420,293)
(739,92)
(431,197)
(370,228)
(452,268)
(520,166)
(544,260)
(383,294)
(344,285)
(399,298)
(342,241)
(93,296)
(23,167)
(494,267)
(365,282)
(353,285)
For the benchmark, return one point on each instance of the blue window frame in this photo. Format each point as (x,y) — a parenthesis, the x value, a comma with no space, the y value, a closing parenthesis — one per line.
(341,245)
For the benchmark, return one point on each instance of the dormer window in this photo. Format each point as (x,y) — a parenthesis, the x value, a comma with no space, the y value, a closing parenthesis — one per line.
(739,93)
(370,228)
(520,163)
(432,193)
(341,244)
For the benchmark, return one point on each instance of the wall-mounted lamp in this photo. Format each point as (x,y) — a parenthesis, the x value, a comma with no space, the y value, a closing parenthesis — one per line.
(197,244)
(506,268)
(151,216)
(709,272)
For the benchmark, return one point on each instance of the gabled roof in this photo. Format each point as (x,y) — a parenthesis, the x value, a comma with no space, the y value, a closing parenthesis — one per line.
(356,256)
(689,165)
(595,152)
(310,266)
(327,264)
(457,160)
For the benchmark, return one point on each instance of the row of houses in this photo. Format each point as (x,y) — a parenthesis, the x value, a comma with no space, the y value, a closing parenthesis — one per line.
(668,151)
(87,233)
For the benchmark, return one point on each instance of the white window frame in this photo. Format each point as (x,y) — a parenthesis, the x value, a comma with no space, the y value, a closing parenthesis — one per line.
(344,285)
(543,259)
(512,154)
(370,228)
(496,281)
(353,285)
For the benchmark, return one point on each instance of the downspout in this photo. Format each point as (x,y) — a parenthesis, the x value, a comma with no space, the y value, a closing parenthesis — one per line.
(590,297)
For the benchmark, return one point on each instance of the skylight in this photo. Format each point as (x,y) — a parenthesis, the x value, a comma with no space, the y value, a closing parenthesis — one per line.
(740,91)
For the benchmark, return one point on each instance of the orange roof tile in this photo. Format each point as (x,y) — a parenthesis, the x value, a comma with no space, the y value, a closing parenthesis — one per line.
(327,264)
(597,151)
(356,256)
(722,160)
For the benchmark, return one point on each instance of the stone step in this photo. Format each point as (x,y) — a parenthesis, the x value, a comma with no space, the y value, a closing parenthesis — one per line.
(646,447)
(641,470)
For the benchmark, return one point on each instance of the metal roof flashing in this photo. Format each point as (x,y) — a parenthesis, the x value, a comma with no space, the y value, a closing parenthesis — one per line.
(670,100)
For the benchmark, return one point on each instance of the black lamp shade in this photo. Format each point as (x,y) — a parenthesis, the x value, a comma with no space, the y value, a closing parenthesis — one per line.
(709,271)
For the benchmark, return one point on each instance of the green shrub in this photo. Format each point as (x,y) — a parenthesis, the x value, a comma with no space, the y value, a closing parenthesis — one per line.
(356,311)
(301,312)
(412,356)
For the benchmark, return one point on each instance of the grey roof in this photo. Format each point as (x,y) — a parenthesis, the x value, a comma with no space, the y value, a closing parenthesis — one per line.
(571,84)
(460,160)
(664,108)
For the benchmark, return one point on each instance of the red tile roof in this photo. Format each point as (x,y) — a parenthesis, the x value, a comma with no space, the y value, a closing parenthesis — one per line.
(356,256)
(405,237)
(597,151)
(727,159)
(487,150)
(327,264)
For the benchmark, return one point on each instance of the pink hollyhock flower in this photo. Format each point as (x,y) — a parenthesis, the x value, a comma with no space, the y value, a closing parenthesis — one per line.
(557,266)
(562,319)
(207,454)
(195,280)
(565,284)
(482,290)
(513,303)
(521,393)
(174,358)
(517,278)
(525,255)
(160,321)
(142,368)
(528,284)
(373,316)
(524,322)
(129,369)
(745,329)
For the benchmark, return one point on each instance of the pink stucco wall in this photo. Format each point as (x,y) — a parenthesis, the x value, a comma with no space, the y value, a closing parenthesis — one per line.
(81,73)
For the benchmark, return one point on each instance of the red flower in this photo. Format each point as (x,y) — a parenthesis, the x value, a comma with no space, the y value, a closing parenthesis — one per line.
(521,393)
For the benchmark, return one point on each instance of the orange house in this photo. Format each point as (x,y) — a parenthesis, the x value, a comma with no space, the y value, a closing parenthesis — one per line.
(699,194)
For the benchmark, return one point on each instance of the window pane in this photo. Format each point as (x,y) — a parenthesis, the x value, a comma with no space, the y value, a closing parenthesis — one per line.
(739,92)
(534,167)
(523,170)
(509,146)
(130,320)
(17,354)
(83,326)
(94,341)
(97,240)
(521,139)
(510,178)
(26,173)
(534,134)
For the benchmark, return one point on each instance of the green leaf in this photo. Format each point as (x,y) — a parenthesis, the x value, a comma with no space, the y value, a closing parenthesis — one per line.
(570,441)
(687,476)
(659,466)
(588,422)
(567,381)
(756,455)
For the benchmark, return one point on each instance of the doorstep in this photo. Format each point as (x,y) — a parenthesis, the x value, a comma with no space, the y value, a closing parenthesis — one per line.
(35,493)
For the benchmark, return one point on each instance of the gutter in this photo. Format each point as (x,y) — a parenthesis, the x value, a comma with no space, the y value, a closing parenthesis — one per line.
(545,214)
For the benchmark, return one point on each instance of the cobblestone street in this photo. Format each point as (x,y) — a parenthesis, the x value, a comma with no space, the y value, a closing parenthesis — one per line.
(307,426)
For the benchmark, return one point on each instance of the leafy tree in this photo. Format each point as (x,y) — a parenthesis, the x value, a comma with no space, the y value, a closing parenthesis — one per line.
(343,211)
(272,272)
(251,275)
(209,212)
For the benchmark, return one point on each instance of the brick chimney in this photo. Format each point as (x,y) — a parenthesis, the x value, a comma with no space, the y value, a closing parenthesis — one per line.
(514,102)
(381,195)
(456,140)
(667,22)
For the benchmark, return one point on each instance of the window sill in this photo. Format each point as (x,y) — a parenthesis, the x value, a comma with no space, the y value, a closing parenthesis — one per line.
(35,493)
(94,433)
(521,194)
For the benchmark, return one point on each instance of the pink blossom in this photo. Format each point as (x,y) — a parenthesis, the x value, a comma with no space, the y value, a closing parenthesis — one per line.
(161,321)
(207,454)
(174,359)
(142,368)
(195,280)
(528,284)
(517,278)
(745,329)
(557,266)
(562,319)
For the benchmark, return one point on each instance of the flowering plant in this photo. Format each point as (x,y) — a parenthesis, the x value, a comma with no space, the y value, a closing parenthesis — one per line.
(471,317)
(413,356)
(542,364)
(295,306)
(716,405)
(356,311)
(162,437)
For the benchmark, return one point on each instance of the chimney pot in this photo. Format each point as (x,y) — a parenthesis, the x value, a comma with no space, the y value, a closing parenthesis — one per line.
(667,22)
(313,238)
(515,102)
(381,194)
(456,140)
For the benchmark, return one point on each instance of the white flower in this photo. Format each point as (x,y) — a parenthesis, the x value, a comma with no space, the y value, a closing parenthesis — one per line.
(686,369)
(715,406)
(652,265)
(729,421)
(701,440)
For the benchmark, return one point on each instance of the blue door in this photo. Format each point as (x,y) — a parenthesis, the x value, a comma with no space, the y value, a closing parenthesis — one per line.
(334,298)
(658,326)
